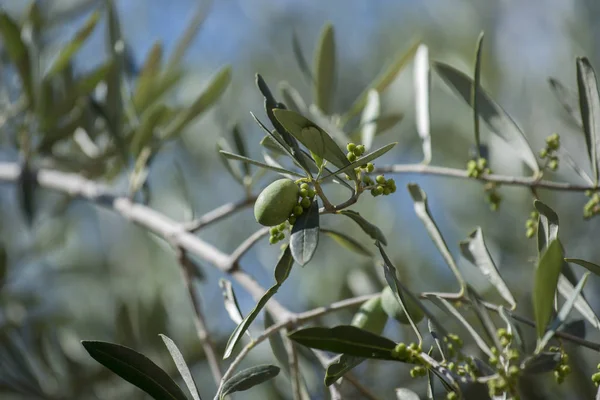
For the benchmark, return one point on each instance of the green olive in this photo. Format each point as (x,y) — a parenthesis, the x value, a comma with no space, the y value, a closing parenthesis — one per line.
(276,202)
(393,308)
(370,316)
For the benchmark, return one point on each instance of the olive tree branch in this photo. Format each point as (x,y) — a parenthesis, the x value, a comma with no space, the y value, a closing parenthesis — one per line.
(219,213)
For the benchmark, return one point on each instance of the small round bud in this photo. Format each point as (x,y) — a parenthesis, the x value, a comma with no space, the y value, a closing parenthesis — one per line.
(298,210)
(379,190)
(392,189)
(501,332)
(351,157)
(350,147)
(451,396)
(504,341)
(472,165)
(292,220)
(386,191)
(274,230)
(513,371)
(374,193)
(303,193)
(543,153)
(530,232)
(304,186)
(311,193)
(380,179)
(305,202)
(565,369)
(493,360)
(360,149)
(273,240)
(481,163)
(281,227)
(370,167)
(553,165)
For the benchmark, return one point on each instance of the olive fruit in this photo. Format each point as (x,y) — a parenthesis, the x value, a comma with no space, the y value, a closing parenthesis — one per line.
(370,316)
(394,309)
(276,202)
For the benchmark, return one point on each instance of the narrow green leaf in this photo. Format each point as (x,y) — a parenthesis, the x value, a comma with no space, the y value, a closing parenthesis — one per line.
(568,99)
(184,41)
(215,88)
(347,242)
(475,87)
(475,250)
(230,301)
(340,366)
(305,235)
(368,119)
(383,80)
(372,230)
(135,368)
(292,98)
(589,103)
(17,52)
(345,339)
(496,118)
(68,51)
(240,146)
(444,304)
(226,157)
(284,265)
(245,324)
(145,131)
(271,144)
(422,83)
(300,59)
(249,378)
(547,226)
(406,394)
(258,163)
(563,314)
(590,266)
(541,363)
(149,77)
(182,367)
(544,289)
(483,315)
(270,105)
(276,138)
(422,210)
(362,160)
(88,83)
(313,137)
(325,69)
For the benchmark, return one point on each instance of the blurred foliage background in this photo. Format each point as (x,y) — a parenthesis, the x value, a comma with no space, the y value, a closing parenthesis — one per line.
(81,272)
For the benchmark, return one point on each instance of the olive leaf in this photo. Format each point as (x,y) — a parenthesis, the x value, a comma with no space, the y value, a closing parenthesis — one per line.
(496,118)
(249,378)
(590,266)
(233,156)
(182,367)
(240,146)
(149,75)
(145,131)
(568,99)
(545,283)
(475,92)
(475,250)
(541,362)
(135,368)
(589,103)
(313,137)
(383,80)
(292,98)
(68,51)
(347,242)
(300,59)
(563,314)
(422,82)
(372,230)
(324,69)
(17,52)
(368,119)
(367,158)
(345,339)
(230,300)
(305,235)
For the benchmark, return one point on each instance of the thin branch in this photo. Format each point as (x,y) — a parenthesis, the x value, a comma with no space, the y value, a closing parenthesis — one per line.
(245,246)
(501,179)
(367,394)
(199,321)
(218,214)
(294,368)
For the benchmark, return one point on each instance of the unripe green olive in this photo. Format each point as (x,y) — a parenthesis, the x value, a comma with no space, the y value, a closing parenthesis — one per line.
(393,308)
(370,316)
(276,202)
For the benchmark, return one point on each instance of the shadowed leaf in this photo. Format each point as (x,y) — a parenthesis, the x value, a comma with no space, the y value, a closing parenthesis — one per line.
(568,99)
(305,235)
(589,103)
(475,91)
(182,367)
(249,378)
(544,289)
(324,69)
(590,266)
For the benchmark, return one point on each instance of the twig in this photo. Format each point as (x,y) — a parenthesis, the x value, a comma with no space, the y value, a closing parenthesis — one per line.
(502,179)
(367,394)
(199,322)
(218,214)
(244,247)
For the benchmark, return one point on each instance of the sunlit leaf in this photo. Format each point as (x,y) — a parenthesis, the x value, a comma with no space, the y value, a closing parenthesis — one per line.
(67,52)
(475,90)
(135,368)
(249,378)
(230,301)
(547,226)
(324,69)
(475,250)
(372,230)
(182,367)
(145,131)
(305,235)
(544,289)
(149,77)
(345,339)
(368,119)
(565,288)
(422,79)
(497,119)
(589,103)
